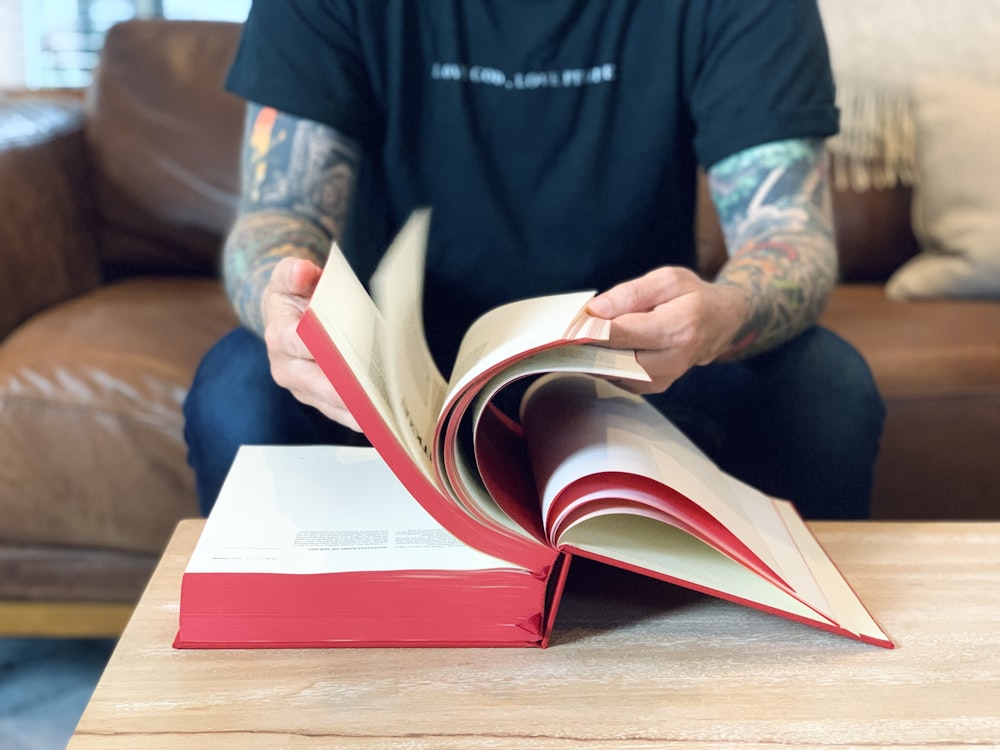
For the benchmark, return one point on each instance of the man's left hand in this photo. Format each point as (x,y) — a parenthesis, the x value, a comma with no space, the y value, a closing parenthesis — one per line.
(673,319)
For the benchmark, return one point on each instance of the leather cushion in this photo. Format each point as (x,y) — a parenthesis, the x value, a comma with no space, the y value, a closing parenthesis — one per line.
(48,248)
(165,138)
(937,364)
(927,348)
(92,451)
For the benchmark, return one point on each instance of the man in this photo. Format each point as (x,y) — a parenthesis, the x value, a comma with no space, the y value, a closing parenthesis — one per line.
(557,142)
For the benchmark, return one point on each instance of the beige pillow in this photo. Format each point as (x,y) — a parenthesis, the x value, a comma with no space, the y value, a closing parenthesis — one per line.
(956,203)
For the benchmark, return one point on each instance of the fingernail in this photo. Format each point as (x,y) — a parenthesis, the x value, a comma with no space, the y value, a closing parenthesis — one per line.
(599,307)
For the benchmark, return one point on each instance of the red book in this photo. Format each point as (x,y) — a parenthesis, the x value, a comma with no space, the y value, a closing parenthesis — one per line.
(584,469)
(323,546)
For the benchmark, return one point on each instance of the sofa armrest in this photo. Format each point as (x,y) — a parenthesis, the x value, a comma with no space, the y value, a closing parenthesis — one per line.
(874,231)
(48,250)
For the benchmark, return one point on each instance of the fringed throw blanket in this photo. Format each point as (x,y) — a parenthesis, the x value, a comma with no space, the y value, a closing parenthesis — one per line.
(878,48)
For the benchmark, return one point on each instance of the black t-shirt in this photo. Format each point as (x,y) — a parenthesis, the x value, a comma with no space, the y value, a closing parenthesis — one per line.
(555,140)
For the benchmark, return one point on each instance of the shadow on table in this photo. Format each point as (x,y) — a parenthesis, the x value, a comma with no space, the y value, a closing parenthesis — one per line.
(600,597)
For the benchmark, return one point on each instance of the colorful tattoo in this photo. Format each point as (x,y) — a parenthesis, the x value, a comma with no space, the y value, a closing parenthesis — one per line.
(256,244)
(298,182)
(773,203)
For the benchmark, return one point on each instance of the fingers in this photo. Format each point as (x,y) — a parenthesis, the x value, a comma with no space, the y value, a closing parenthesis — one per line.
(641,388)
(311,387)
(642,294)
(663,366)
(646,311)
(307,382)
(292,365)
(672,319)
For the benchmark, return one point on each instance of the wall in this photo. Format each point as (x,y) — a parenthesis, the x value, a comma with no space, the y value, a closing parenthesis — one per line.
(11,44)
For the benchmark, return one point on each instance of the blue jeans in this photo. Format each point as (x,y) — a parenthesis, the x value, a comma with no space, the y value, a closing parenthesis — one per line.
(801,422)
(234,401)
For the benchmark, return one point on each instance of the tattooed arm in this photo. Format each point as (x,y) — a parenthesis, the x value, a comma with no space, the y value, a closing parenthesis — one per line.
(298,181)
(774,205)
(773,202)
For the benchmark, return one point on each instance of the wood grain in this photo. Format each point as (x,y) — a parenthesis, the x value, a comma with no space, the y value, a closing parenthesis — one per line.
(634,664)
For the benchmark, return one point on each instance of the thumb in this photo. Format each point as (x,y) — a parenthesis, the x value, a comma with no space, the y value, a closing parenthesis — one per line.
(636,295)
(296,276)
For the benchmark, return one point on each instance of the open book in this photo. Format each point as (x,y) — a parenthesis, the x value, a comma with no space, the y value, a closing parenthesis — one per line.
(584,468)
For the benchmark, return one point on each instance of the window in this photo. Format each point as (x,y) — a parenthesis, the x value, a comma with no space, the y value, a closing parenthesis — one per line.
(62,37)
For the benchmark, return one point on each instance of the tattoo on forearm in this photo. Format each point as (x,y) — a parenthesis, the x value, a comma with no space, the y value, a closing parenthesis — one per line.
(773,203)
(255,246)
(298,183)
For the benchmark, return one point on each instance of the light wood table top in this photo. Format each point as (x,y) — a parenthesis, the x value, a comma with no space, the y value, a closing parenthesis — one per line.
(673,669)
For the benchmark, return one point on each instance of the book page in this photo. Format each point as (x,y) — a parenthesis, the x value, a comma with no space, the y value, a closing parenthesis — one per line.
(638,542)
(323,509)
(523,327)
(416,386)
(592,443)
(459,465)
(846,607)
(354,324)
(644,544)
(381,364)
(578,428)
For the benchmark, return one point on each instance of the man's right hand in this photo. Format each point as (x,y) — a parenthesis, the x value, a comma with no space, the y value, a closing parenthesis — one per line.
(292,366)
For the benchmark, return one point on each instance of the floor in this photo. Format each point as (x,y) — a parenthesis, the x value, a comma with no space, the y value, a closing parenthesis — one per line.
(44,687)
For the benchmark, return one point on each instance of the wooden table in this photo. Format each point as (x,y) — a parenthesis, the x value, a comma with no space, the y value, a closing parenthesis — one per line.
(674,669)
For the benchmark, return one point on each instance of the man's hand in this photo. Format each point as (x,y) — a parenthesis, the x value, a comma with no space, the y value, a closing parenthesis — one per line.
(673,319)
(292,366)
(774,205)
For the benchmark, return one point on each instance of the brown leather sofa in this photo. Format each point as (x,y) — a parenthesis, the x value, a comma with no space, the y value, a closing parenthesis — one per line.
(113,203)
(112,207)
